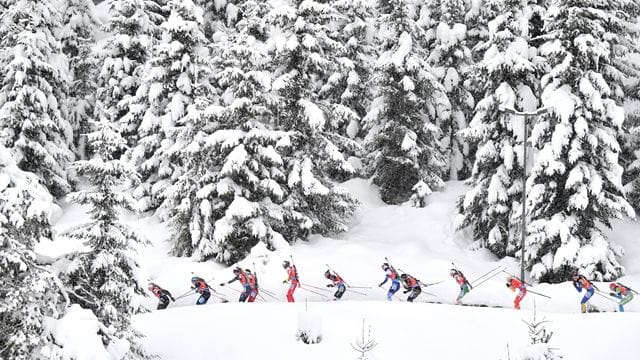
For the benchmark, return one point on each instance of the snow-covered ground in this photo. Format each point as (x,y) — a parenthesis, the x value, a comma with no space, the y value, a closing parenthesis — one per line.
(422,242)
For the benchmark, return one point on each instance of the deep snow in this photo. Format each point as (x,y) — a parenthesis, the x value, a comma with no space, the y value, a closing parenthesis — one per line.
(422,242)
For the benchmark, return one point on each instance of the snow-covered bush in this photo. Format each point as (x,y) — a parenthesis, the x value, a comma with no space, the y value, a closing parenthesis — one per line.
(309,327)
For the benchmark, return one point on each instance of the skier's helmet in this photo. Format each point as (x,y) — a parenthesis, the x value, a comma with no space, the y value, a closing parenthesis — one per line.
(385,266)
(237,270)
(612,286)
(151,286)
(248,271)
(327,274)
(403,276)
(194,279)
(453,272)
(285,264)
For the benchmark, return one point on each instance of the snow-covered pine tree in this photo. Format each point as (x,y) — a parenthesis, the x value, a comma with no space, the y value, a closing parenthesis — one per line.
(103,279)
(575,183)
(405,159)
(32,91)
(630,152)
(507,76)
(233,192)
(219,16)
(166,91)
(303,56)
(449,58)
(131,29)
(479,14)
(347,88)
(28,293)
(78,37)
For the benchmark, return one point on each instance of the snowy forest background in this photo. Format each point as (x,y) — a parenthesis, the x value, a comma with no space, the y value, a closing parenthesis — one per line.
(235,121)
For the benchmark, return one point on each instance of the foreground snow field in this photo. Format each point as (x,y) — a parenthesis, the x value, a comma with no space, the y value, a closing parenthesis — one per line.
(419,241)
(402,330)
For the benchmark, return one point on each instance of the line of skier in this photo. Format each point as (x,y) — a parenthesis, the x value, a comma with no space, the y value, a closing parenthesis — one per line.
(412,286)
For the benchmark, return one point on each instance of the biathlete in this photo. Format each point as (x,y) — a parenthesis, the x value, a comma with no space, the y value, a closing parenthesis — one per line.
(623,293)
(514,284)
(336,281)
(580,282)
(390,274)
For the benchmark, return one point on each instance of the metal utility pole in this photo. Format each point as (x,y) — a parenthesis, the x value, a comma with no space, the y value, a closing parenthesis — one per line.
(528,115)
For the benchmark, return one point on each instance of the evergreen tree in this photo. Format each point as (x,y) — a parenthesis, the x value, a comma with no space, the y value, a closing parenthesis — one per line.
(575,183)
(479,14)
(303,56)
(405,158)
(220,16)
(507,75)
(104,278)
(28,294)
(449,58)
(33,89)
(131,26)
(347,88)
(78,39)
(162,99)
(539,349)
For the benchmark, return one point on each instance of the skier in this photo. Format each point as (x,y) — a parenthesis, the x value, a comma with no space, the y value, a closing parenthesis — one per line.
(244,281)
(621,292)
(412,285)
(253,283)
(514,283)
(580,282)
(462,281)
(163,295)
(336,281)
(392,274)
(292,279)
(201,287)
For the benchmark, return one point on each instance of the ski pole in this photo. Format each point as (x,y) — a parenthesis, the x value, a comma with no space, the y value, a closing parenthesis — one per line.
(485,279)
(317,287)
(606,296)
(360,287)
(357,292)
(487,273)
(430,284)
(185,295)
(537,293)
(311,291)
(267,291)
(272,296)
(335,272)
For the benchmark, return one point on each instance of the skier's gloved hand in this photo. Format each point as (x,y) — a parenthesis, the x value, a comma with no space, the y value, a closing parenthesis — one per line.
(329,285)
(612,294)
(285,281)
(380,285)
(406,291)
(173,299)
(193,288)
(221,284)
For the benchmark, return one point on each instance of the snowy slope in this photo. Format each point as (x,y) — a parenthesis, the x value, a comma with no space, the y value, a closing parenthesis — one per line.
(420,241)
(403,331)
